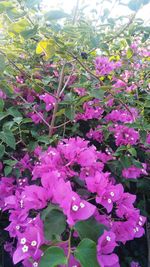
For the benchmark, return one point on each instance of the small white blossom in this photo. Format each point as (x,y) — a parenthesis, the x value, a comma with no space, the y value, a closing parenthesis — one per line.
(33,243)
(82,205)
(23,241)
(75,207)
(108,238)
(25,249)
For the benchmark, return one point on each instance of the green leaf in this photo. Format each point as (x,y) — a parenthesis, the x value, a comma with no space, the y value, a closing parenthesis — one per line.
(1,105)
(19,26)
(132,151)
(10,162)
(137,163)
(48,47)
(29,33)
(2,151)
(10,139)
(14,14)
(7,170)
(70,112)
(14,112)
(86,253)
(55,14)
(129,53)
(17,120)
(53,257)
(54,223)
(126,161)
(89,229)
(4,5)
(97,93)
(2,63)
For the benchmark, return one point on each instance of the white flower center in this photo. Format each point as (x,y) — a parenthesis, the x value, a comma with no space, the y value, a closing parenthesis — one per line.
(35,264)
(112,194)
(17,227)
(82,205)
(25,248)
(23,241)
(140,223)
(75,207)
(137,229)
(108,238)
(73,198)
(33,243)
(109,200)
(141,219)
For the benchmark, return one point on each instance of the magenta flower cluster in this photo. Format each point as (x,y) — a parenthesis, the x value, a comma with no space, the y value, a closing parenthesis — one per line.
(57,170)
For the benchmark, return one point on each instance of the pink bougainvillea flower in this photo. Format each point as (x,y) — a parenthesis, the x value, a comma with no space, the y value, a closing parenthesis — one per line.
(125,135)
(80,91)
(95,134)
(49,101)
(133,172)
(117,115)
(92,110)
(134,264)
(105,247)
(2,95)
(104,66)
(7,188)
(73,206)
(148,139)
(29,243)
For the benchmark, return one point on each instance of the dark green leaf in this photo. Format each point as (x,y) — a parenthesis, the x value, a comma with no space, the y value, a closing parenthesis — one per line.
(29,33)
(53,257)
(86,253)
(7,170)
(1,105)
(2,150)
(54,223)
(10,139)
(70,112)
(97,93)
(89,229)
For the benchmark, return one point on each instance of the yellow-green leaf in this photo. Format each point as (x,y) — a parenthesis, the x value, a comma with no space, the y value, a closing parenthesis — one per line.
(48,47)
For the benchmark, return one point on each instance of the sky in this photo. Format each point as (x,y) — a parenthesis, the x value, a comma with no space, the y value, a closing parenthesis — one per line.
(120,10)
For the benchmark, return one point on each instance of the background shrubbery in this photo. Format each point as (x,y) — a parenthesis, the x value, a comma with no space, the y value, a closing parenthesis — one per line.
(74,126)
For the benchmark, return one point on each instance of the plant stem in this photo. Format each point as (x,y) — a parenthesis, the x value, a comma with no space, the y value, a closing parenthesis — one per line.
(69,247)
(57,101)
(33,108)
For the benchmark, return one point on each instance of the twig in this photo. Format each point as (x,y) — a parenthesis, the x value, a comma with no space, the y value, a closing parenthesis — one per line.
(34,109)
(66,83)
(69,247)
(63,124)
(121,102)
(57,102)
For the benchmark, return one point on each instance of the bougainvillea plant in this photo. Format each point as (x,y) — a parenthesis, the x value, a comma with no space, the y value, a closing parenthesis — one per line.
(74,136)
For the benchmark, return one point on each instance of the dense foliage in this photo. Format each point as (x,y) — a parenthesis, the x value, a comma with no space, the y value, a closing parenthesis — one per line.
(74,136)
